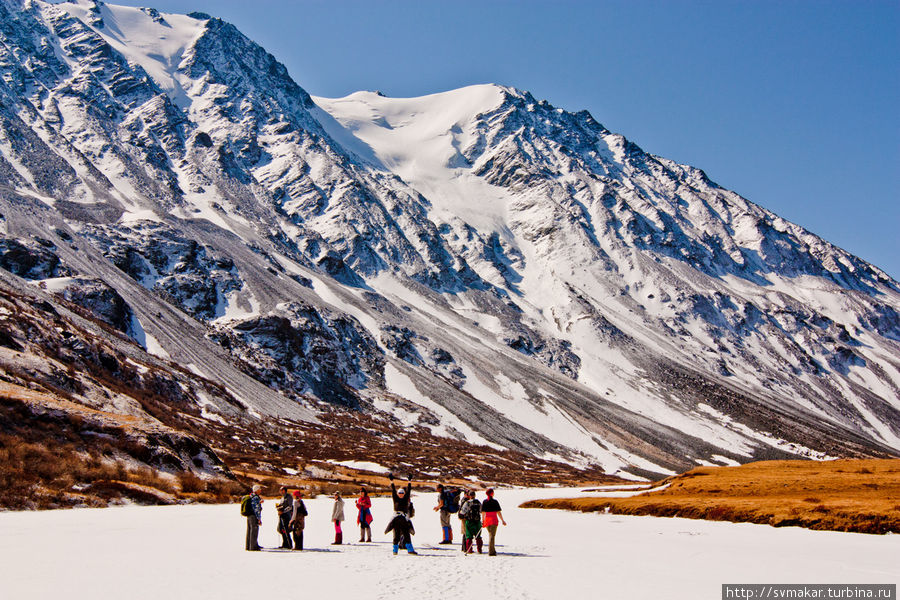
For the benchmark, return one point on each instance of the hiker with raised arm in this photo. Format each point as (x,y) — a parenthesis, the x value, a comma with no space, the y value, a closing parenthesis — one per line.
(401,524)
(364,518)
(491,518)
(448,504)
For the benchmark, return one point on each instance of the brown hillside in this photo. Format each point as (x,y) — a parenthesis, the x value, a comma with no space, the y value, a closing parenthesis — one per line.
(841,495)
(87,418)
(56,453)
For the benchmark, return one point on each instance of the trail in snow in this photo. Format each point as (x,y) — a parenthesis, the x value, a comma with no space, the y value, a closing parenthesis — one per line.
(197,552)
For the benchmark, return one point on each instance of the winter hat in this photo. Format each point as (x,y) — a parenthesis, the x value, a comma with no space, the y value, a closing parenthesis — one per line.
(490,493)
(401,491)
(298,494)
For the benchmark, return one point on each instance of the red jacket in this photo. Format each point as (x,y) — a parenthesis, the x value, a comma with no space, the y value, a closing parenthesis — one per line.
(489,510)
(364,503)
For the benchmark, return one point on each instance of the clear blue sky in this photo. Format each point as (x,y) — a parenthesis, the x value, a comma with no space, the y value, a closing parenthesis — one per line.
(793,104)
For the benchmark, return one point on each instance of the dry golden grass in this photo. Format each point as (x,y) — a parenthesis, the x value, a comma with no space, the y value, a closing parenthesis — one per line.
(861,495)
(71,455)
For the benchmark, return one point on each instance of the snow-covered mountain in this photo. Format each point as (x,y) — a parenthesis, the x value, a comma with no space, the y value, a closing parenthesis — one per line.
(476,263)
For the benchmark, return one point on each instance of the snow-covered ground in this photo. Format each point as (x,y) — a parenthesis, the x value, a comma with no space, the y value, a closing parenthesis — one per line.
(197,552)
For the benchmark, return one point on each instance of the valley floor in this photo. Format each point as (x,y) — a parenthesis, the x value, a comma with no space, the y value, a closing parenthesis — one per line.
(197,551)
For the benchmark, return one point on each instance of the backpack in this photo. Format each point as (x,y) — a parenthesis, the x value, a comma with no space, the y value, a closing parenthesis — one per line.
(451,501)
(471,510)
(246,506)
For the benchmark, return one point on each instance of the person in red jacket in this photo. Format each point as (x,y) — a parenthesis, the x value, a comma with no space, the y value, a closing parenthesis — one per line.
(491,517)
(364,519)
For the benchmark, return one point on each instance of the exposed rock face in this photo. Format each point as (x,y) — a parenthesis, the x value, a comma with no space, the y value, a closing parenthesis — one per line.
(477,261)
(31,259)
(99,299)
(298,349)
(194,277)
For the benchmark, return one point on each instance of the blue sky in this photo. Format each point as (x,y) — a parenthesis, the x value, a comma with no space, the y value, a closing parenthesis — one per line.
(793,104)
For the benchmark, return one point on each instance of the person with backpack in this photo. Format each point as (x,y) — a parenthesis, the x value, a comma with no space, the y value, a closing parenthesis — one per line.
(491,518)
(284,516)
(298,519)
(448,504)
(251,507)
(470,513)
(337,515)
(462,520)
(401,524)
(364,518)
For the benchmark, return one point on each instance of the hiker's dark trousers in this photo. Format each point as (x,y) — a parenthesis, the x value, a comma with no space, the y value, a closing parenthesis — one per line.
(401,532)
(252,533)
(285,529)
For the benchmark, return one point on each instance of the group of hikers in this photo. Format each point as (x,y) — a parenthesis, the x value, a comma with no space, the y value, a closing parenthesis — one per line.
(474,515)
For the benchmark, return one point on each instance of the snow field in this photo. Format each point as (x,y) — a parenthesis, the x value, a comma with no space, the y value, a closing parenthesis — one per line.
(197,552)
(157,45)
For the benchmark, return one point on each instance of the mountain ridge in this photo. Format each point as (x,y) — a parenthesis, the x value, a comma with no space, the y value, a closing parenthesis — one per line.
(476,261)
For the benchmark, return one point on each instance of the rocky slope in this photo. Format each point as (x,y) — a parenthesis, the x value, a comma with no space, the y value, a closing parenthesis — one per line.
(476,263)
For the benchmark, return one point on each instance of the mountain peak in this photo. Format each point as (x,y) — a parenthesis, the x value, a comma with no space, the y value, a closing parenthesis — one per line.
(412,137)
(158,42)
(479,96)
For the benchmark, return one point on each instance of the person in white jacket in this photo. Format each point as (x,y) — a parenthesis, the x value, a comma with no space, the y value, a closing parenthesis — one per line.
(337,515)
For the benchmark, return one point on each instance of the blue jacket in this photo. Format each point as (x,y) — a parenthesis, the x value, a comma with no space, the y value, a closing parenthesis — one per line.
(256,504)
